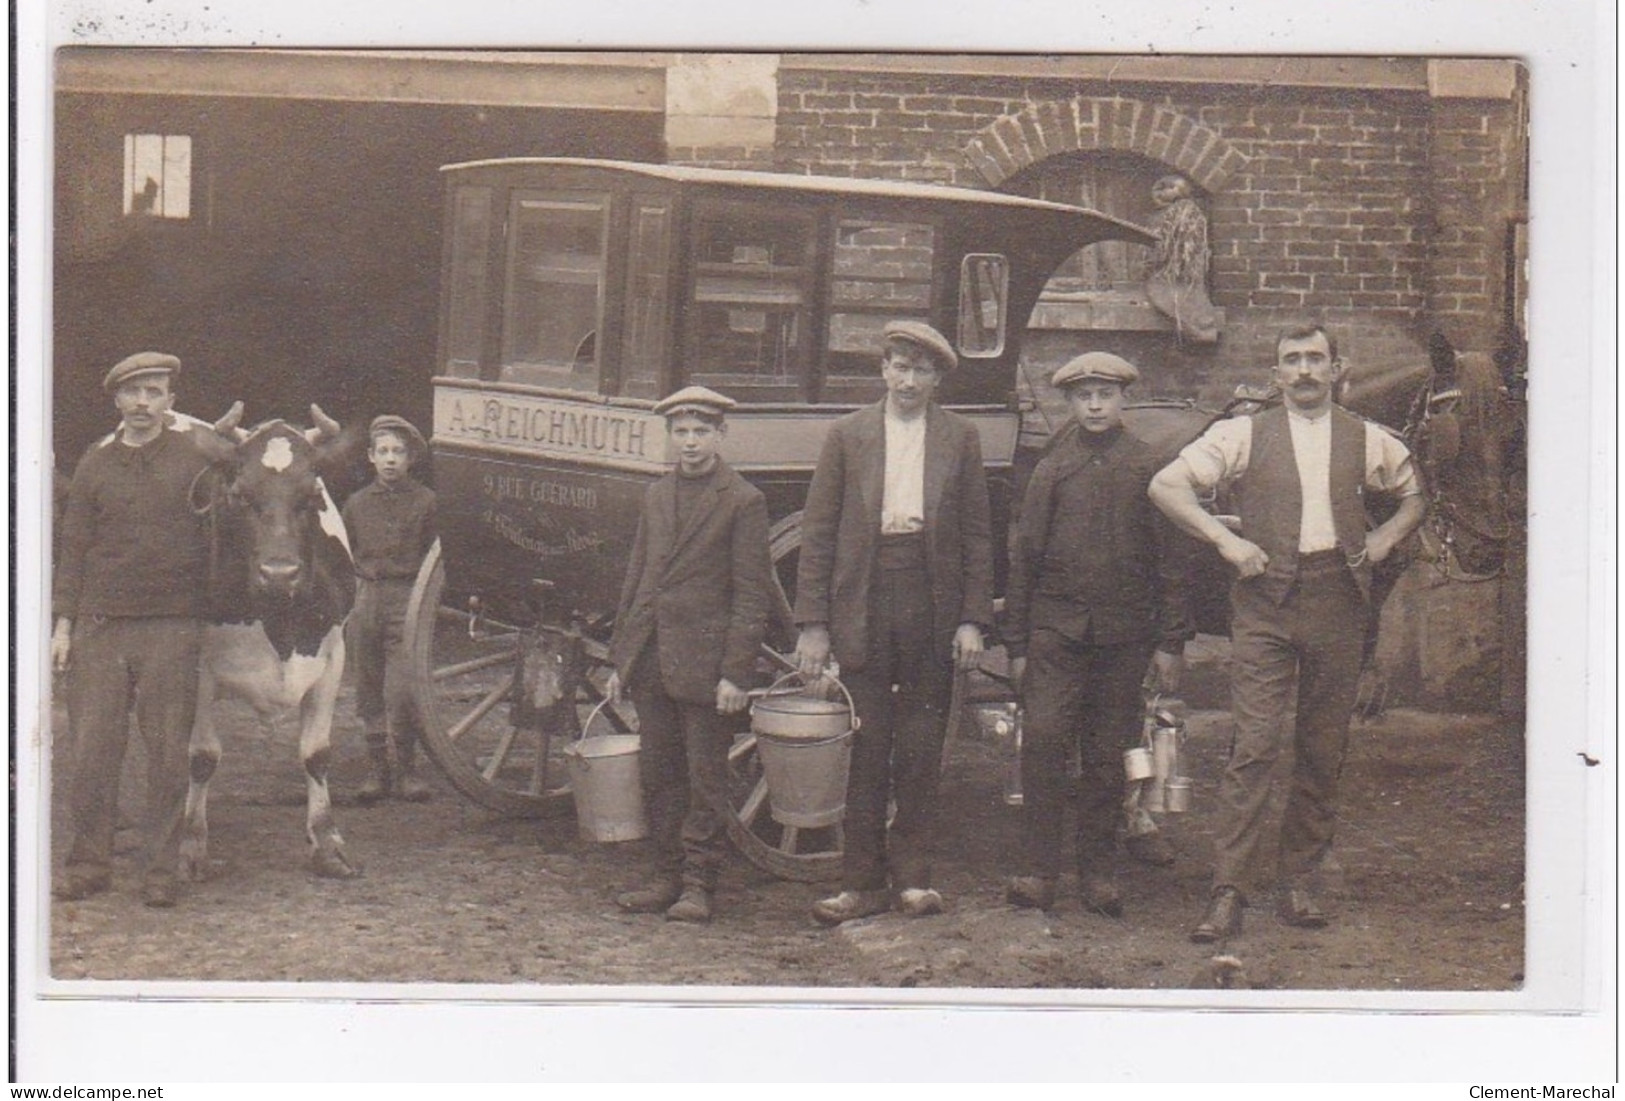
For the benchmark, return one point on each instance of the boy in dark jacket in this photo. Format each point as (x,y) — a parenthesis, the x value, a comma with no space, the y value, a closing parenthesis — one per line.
(391,525)
(1096,592)
(692,617)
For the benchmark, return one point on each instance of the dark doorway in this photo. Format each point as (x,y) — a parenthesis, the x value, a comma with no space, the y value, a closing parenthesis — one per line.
(304,263)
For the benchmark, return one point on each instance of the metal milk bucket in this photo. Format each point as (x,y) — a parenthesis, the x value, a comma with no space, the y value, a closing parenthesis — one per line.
(1179,795)
(1137,764)
(604,778)
(805,746)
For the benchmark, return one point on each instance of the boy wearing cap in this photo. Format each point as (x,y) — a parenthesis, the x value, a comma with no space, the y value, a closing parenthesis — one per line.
(692,617)
(896,582)
(127,596)
(391,525)
(1096,592)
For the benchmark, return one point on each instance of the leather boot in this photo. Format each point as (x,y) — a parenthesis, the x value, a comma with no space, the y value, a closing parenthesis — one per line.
(1100,893)
(377,784)
(410,787)
(693,906)
(1030,892)
(657,895)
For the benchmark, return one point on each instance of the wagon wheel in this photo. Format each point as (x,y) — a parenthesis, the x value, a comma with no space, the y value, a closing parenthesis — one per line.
(463,675)
(804,855)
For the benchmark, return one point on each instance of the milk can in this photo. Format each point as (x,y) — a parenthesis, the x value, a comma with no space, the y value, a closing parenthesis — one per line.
(805,745)
(1164,731)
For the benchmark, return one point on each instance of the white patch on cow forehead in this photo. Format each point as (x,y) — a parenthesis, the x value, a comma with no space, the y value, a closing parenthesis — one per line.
(278,454)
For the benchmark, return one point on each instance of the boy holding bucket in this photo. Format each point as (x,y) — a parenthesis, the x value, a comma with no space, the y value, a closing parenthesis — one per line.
(692,617)
(1094,595)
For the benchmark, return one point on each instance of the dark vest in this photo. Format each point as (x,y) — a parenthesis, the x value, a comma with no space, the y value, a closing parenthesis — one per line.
(1270,498)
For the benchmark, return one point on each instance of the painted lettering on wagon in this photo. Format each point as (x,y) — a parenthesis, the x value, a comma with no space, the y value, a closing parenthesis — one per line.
(573,542)
(517,487)
(544,425)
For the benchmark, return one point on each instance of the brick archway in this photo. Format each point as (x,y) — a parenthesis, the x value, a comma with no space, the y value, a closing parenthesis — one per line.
(1019,140)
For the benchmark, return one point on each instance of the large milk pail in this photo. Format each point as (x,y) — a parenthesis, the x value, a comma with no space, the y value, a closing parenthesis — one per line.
(805,746)
(603,771)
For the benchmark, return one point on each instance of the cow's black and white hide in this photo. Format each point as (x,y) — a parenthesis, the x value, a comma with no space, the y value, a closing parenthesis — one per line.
(280,586)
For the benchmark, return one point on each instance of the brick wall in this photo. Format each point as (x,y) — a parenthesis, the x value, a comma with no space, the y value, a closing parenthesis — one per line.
(1330,209)
(1477,172)
(754,157)
(883,127)
(1374,208)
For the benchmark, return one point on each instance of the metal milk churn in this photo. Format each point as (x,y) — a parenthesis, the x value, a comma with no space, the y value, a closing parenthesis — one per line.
(1164,731)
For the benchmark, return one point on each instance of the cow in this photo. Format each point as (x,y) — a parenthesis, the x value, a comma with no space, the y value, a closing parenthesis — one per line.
(281,585)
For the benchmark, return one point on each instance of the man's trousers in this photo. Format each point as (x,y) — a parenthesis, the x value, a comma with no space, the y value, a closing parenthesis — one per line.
(897,750)
(683,764)
(1313,640)
(1076,694)
(154,661)
(376,651)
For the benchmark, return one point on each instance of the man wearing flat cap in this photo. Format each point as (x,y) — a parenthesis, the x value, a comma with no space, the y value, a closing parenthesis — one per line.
(692,617)
(1096,595)
(896,582)
(127,598)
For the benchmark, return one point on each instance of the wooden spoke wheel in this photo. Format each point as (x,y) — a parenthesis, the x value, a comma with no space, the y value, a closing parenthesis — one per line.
(493,749)
(806,855)
(465,670)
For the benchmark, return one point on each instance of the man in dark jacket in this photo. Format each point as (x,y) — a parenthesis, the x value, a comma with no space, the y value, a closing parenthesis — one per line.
(1096,593)
(127,599)
(896,580)
(692,617)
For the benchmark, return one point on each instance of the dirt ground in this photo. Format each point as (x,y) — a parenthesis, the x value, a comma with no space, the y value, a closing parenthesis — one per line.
(1425,884)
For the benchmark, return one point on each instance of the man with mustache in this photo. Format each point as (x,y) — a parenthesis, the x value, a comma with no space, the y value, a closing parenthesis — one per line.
(1303,561)
(128,597)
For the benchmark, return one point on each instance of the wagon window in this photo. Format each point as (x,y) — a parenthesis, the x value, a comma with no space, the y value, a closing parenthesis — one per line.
(648,305)
(881,271)
(752,269)
(470,242)
(551,316)
(984,285)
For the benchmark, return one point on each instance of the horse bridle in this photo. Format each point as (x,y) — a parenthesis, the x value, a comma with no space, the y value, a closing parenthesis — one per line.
(1444,517)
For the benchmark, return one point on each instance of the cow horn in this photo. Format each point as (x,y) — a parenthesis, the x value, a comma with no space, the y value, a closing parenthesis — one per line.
(218,441)
(326,427)
(227,425)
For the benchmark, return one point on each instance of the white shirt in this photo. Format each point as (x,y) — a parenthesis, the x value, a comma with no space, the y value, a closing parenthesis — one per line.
(1221,453)
(902,508)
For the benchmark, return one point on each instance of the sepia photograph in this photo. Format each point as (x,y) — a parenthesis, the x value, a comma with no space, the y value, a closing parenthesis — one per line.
(1006,531)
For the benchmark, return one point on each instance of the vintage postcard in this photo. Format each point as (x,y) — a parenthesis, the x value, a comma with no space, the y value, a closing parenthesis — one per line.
(473,552)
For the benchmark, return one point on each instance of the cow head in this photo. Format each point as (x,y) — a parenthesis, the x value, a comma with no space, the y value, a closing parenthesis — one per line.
(270,489)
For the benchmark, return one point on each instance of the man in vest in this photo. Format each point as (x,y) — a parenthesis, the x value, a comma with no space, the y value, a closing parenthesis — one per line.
(1303,558)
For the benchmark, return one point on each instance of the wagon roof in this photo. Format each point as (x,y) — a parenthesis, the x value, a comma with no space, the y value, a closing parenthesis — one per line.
(822,185)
